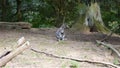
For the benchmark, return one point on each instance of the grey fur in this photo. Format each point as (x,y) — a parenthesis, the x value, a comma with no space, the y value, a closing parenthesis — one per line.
(60,33)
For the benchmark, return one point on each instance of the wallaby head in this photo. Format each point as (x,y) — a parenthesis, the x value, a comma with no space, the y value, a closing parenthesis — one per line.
(64,26)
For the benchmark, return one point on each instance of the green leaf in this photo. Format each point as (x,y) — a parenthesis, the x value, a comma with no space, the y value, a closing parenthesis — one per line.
(116,61)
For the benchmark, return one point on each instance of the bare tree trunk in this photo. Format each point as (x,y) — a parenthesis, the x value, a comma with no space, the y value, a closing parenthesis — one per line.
(3,10)
(59,13)
(18,13)
(59,20)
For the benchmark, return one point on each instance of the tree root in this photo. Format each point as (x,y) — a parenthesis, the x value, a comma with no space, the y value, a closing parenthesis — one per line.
(78,60)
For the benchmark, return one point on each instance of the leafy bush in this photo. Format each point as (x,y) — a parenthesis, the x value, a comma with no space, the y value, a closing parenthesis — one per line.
(37,20)
(114,26)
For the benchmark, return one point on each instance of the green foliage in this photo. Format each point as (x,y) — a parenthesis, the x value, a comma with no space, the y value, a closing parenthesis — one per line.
(74,64)
(37,20)
(81,8)
(114,26)
(49,13)
(71,64)
(101,28)
(110,12)
(109,16)
(116,61)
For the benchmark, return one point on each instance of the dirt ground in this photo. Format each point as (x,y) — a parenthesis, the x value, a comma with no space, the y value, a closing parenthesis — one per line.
(78,45)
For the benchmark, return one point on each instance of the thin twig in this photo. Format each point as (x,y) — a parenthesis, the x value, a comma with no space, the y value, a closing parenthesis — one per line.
(78,60)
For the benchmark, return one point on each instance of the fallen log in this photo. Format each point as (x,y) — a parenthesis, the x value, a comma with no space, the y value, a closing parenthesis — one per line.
(15,25)
(4,54)
(20,42)
(5,59)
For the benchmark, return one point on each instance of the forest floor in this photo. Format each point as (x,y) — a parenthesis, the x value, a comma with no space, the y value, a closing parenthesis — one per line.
(78,46)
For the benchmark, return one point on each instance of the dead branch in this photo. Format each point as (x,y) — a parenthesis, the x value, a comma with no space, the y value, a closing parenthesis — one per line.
(107,37)
(78,60)
(111,33)
(109,46)
(4,60)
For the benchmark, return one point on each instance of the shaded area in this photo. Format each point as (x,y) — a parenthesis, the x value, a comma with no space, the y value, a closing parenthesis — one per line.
(77,36)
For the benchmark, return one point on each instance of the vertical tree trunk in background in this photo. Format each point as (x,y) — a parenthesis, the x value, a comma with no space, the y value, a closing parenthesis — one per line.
(1,9)
(3,3)
(18,13)
(59,20)
(59,13)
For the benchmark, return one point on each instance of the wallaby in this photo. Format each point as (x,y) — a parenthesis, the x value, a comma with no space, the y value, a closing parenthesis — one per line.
(60,33)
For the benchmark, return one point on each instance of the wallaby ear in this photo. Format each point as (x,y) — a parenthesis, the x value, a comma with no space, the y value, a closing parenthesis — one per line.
(67,26)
